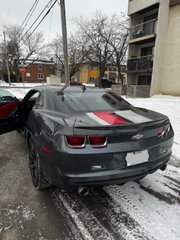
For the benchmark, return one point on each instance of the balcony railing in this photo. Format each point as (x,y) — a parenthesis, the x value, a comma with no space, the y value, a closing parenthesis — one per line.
(140,64)
(143,29)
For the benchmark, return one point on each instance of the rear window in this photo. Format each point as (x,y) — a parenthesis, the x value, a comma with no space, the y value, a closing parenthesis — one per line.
(93,101)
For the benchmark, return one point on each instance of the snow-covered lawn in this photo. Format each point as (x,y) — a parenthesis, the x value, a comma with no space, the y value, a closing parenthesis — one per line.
(20,84)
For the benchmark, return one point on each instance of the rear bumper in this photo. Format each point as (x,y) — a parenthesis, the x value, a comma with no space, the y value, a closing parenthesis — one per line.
(71,170)
(103,178)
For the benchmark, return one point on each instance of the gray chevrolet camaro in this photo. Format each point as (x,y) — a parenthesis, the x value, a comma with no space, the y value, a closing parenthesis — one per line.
(80,137)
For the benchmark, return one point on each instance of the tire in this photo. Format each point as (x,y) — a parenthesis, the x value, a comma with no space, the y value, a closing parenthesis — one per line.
(37,175)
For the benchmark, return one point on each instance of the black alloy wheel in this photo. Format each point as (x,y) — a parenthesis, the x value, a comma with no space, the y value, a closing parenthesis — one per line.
(37,175)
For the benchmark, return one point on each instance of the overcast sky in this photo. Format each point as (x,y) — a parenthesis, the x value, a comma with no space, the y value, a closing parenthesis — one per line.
(14,12)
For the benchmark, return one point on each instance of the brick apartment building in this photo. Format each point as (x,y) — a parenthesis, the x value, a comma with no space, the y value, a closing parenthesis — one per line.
(38,71)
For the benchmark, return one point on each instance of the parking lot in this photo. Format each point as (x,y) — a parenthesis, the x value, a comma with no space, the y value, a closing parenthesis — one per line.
(136,210)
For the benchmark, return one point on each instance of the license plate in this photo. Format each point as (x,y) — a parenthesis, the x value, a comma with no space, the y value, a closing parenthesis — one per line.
(137,158)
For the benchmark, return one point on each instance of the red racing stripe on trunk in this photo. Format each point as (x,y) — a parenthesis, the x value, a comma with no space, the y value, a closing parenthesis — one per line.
(110,118)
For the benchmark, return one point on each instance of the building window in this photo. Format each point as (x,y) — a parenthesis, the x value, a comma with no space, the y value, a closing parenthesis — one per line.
(93,80)
(40,76)
(150,17)
(28,74)
(39,66)
(144,80)
(93,67)
(146,51)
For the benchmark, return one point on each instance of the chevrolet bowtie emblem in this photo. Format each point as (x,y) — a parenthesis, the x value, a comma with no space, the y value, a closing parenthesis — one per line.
(137,136)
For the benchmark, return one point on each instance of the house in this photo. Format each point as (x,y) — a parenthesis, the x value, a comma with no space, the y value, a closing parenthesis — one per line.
(153,65)
(38,70)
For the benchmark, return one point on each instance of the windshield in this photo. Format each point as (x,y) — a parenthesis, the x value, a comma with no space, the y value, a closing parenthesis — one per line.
(93,101)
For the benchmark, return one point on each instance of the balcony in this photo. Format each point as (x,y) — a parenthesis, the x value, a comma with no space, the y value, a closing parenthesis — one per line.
(143,32)
(141,64)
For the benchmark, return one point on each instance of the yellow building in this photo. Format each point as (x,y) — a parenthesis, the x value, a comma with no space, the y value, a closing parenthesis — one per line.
(88,73)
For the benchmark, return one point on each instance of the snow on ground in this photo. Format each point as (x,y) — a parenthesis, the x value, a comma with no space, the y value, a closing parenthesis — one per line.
(20,84)
(153,202)
(169,106)
(19,89)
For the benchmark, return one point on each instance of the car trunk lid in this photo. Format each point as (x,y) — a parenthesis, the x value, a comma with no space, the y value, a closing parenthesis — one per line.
(120,125)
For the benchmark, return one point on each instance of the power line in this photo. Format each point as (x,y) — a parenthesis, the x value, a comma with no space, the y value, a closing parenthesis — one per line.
(50,25)
(38,23)
(47,6)
(28,16)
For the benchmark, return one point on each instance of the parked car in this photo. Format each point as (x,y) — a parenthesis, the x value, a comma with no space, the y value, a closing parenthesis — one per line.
(80,137)
(75,83)
(106,83)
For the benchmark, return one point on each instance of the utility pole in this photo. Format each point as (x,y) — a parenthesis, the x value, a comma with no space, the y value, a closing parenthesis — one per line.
(7,60)
(65,44)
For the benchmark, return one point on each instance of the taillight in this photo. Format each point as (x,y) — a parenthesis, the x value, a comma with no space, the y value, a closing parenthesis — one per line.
(75,141)
(163,130)
(98,141)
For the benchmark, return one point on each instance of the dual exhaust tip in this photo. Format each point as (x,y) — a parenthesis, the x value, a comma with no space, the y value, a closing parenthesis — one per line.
(84,191)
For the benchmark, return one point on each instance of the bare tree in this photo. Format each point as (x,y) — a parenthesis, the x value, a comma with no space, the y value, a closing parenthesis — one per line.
(56,52)
(10,49)
(34,47)
(76,53)
(19,47)
(98,48)
(119,43)
(105,40)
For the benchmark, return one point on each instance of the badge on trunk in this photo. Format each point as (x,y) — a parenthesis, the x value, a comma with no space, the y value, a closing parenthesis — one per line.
(137,137)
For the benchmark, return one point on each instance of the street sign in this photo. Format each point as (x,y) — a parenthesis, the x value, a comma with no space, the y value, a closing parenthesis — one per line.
(22,70)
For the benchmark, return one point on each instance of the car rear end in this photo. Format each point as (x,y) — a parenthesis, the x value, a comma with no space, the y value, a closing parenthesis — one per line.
(103,157)
(105,147)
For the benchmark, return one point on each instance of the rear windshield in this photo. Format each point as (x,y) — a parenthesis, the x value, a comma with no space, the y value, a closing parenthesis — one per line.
(93,101)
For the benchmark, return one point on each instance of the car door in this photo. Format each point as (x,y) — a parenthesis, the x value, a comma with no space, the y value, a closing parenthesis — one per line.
(10,117)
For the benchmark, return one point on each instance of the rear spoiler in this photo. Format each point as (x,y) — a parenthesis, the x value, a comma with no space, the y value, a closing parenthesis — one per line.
(129,127)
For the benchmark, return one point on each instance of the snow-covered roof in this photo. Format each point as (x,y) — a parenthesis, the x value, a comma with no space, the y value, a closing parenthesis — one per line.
(38,61)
